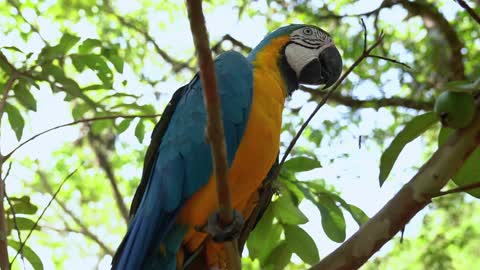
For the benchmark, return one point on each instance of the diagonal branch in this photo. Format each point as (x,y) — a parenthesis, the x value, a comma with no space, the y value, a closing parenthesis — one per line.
(54,195)
(83,227)
(412,198)
(176,65)
(470,10)
(95,143)
(107,117)
(376,103)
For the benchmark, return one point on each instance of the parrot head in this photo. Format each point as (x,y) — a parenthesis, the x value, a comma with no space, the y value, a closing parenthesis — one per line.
(308,55)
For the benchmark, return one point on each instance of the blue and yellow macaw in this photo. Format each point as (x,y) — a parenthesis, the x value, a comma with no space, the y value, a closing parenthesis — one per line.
(177,193)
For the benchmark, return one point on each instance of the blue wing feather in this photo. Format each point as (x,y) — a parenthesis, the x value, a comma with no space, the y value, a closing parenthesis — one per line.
(183,164)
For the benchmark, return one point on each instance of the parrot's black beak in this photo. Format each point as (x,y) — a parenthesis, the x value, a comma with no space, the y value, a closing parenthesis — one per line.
(325,69)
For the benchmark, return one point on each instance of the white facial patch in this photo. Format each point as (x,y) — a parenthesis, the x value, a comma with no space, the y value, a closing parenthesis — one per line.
(299,56)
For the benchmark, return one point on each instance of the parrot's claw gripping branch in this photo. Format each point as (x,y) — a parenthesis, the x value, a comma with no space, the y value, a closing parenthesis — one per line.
(225,232)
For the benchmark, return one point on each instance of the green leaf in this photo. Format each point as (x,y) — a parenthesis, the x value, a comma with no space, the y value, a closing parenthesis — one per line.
(28,253)
(140,131)
(358,215)
(300,243)
(279,257)
(88,45)
(463,86)
(287,212)
(301,164)
(24,96)
(12,48)
(264,237)
(469,173)
(113,57)
(333,221)
(66,43)
(124,125)
(15,119)
(79,110)
(97,64)
(417,126)
(22,205)
(22,223)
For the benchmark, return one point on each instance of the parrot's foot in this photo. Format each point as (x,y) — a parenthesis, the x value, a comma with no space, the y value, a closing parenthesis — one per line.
(225,233)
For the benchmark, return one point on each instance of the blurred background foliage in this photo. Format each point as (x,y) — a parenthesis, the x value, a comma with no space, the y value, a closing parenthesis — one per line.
(77,59)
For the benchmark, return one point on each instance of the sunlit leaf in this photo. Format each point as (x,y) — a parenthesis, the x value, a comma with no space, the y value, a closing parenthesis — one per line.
(22,205)
(24,96)
(279,257)
(28,253)
(300,243)
(416,127)
(124,125)
(140,131)
(301,164)
(88,45)
(22,223)
(264,237)
(469,173)
(15,119)
(287,212)
(333,221)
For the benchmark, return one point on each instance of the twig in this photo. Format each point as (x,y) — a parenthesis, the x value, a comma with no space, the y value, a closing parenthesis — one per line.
(95,143)
(215,131)
(15,224)
(20,249)
(470,10)
(33,27)
(4,265)
(457,189)
(322,102)
(107,117)
(412,198)
(389,60)
(83,227)
(176,65)
(354,103)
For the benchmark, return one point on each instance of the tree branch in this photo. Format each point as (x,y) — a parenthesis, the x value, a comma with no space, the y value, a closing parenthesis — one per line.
(412,198)
(457,189)
(370,103)
(176,65)
(215,131)
(54,195)
(83,227)
(95,143)
(470,10)
(107,117)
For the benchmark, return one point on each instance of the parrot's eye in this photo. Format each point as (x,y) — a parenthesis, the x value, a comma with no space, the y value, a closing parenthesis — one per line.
(308,31)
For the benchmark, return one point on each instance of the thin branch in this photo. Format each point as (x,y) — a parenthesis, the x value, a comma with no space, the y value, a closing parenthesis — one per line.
(20,249)
(389,60)
(457,189)
(95,143)
(370,103)
(14,217)
(83,227)
(107,117)
(470,10)
(33,27)
(412,198)
(322,102)
(176,65)
(215,131)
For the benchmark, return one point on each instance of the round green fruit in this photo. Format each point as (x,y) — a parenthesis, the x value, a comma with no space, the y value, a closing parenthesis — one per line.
(455,109)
